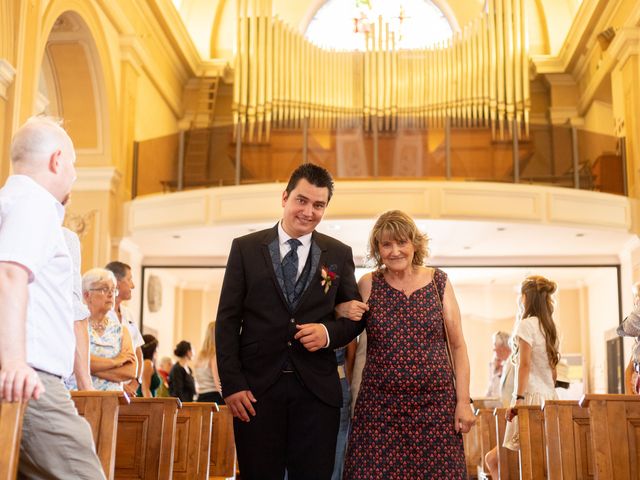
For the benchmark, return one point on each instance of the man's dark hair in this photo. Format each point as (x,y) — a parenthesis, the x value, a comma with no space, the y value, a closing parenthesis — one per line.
(313,174)
(119,269)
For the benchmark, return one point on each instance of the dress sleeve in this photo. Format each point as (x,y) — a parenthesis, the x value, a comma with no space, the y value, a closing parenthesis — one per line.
(525,329)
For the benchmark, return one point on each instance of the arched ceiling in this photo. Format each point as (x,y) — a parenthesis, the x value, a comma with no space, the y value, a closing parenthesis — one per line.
(212,24)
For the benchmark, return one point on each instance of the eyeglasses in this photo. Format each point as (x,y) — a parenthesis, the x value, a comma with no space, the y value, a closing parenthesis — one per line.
(105,291)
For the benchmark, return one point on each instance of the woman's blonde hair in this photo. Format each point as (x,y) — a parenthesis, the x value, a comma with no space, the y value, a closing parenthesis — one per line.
(537,291)
(208,350)
(397,225)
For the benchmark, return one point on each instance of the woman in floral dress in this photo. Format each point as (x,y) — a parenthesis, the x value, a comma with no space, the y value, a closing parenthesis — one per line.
(410,414)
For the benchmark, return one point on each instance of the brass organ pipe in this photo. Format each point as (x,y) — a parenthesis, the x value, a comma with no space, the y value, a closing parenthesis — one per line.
(524,32)
(518,80)
(493,67)
(509,63)
(500,54)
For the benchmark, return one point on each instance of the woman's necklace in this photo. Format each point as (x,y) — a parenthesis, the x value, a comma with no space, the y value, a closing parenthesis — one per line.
(99,326)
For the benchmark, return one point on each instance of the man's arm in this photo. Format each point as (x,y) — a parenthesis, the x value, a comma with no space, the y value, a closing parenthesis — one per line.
(81,359)
(235,388)
(18,381)
(132,387)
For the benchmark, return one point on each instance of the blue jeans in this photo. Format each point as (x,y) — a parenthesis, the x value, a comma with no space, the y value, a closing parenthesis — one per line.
(343,433)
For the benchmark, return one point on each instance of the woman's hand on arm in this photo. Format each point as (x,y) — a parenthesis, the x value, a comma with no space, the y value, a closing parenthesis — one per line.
(353,310)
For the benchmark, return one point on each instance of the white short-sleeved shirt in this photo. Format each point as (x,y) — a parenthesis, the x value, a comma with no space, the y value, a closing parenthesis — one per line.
(31,236)
(80,310)
(127,320)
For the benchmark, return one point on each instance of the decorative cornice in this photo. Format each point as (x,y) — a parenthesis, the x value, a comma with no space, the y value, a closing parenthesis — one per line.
(98,179)
(7,74)
(625,44)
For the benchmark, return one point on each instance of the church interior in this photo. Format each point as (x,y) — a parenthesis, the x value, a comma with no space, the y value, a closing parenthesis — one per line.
(508,129)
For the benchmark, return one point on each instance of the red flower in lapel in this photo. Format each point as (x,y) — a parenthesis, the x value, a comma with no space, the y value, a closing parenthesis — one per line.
(328,275)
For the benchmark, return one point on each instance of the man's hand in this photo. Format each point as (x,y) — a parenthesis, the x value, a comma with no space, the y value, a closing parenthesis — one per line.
(353,310)
(240,404)
(19,382)
(312,336)
(131,388)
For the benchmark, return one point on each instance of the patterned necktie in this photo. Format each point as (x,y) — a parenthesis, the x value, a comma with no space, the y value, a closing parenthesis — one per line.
(290,269)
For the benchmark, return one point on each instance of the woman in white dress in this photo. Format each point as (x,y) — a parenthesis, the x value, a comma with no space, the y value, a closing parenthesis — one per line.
(534,343)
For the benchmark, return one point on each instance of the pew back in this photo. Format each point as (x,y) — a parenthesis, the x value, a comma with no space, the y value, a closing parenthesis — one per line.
(568,439)
(146,432)
(11,415)
(223,447)
(508,461)
(100,410)
(615,435)
(193,441)
(532,446)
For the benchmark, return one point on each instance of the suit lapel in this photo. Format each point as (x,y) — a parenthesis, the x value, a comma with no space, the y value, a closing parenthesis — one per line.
(271,253)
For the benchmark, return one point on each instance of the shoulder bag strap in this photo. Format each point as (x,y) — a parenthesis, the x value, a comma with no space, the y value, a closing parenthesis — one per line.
(446,332)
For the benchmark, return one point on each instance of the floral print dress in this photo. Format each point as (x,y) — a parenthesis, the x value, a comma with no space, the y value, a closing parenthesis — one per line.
(404,415)
(107,345)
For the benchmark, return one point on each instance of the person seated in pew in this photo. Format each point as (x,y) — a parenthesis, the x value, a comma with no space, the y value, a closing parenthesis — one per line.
(630,327)
(501,353)
(181,382)
(536,354)
(151,381)
(163,370)
(113,359)
(206,369)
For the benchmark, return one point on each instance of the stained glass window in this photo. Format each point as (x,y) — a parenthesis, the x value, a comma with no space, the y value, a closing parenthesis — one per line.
(341,24)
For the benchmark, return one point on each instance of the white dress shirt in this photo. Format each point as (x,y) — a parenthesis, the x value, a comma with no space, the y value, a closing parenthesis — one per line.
(31,236)
(303,255)
(127,321)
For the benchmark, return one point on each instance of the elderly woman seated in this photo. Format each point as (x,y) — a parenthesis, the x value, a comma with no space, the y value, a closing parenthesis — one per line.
(113,359)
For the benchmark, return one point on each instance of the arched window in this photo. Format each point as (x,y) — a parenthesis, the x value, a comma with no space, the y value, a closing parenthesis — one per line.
(341,24)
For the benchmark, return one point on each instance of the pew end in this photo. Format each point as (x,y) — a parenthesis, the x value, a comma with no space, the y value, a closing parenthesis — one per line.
(11,416)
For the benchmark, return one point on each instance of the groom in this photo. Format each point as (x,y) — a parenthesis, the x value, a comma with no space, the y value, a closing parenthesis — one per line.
(275,335)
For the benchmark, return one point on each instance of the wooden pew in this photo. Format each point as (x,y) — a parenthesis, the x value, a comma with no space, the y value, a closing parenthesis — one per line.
(532,446)
(100,410)
(223,447)
(11,414)
(568,439)
(193,441)
(487,434)
(615,435)
(508,461)
(471,440)
(146,433)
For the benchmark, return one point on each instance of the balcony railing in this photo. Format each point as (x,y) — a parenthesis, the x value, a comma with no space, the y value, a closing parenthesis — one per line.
(551,155)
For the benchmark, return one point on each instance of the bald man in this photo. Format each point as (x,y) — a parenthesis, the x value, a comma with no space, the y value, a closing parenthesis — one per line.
(37,343)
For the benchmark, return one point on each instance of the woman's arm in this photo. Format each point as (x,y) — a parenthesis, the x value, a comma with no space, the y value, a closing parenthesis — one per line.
(216,376)
(464,418)
(176,381)
(147,373)
(523,369)
(124,372)
(350,358)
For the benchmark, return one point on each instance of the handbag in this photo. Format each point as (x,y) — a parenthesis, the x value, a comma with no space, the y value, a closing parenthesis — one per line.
(446,333)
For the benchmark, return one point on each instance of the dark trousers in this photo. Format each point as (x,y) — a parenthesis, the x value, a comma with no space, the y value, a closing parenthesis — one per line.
(292,430)
(211,397)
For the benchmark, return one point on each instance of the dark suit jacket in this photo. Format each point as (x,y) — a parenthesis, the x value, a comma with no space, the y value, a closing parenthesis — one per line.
(255,326)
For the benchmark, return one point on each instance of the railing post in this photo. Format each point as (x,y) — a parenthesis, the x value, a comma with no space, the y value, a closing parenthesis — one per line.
(134,176)
(447,148)
(516,152)
(240,131)
(181,151)
(574,155)
(623,159)
(376,159)
(305,140)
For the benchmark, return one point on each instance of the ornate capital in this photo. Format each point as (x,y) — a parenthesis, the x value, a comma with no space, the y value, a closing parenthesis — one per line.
(7,74)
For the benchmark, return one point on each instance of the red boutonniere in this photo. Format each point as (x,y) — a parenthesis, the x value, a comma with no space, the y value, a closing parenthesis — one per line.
(328,276)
